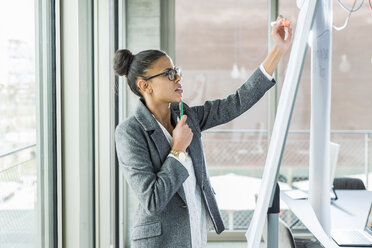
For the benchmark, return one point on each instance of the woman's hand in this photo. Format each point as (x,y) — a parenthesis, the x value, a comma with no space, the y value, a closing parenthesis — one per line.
(281,45)
(182,135)
(279,34)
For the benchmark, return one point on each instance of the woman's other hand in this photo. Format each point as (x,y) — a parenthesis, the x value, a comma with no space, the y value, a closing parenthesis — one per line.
(182,135)
(279,36)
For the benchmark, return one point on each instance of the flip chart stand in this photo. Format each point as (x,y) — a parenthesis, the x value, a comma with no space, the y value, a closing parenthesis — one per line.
(273,220)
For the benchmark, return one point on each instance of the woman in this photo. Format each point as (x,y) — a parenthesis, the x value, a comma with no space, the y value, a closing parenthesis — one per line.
(162,154)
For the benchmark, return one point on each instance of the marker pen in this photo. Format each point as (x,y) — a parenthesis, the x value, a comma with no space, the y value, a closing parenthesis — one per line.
(284,23)
(181,109)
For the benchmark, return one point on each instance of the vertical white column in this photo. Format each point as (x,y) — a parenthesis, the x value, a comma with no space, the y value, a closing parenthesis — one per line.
(321,55)
(77,136)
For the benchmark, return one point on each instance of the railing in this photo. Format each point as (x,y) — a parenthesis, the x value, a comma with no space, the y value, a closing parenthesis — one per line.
(239,147)
(18,197)
(365,133)
(9,166)
(351,147)
(217,144)
(17,150)
(260,139)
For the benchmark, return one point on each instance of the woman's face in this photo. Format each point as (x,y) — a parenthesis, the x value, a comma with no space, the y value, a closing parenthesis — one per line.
(163,89)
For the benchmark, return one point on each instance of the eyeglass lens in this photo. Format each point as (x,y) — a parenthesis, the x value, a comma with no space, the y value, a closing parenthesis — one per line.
(172,75)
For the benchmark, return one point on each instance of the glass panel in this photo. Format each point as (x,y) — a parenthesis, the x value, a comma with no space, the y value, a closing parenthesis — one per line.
(218,46)
(142,32)
(351,120)
(351,91)
(18,170)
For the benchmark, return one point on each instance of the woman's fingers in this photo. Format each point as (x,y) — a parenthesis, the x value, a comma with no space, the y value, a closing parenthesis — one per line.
(182,134)
(284,32)
(290,32)
(183,119)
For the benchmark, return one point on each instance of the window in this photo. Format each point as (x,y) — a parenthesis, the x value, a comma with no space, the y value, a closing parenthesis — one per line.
(24,205)
(18,167)
(218,46)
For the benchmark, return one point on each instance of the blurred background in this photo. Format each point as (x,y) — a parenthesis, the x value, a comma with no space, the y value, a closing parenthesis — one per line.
(218,45)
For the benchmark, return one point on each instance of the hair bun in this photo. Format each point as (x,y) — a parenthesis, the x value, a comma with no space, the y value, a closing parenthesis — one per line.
(122,60)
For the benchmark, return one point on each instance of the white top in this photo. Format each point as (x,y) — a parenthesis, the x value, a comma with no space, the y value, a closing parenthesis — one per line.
(195,205)
(265,73)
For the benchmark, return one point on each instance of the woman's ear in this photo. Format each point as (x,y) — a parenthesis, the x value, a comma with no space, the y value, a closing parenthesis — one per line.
(144,86)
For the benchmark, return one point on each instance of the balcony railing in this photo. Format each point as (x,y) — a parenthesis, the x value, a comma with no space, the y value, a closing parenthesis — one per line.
(18,197)
(238,151)
(244,152)
(247,149)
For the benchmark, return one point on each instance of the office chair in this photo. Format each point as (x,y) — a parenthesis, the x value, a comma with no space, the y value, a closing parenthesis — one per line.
(348,183)
(308,243)
(286,239)
(285,236)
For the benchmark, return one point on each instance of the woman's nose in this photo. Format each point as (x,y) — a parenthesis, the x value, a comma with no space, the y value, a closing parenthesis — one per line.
(178,77)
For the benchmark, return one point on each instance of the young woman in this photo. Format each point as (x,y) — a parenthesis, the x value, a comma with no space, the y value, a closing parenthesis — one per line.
(162,154)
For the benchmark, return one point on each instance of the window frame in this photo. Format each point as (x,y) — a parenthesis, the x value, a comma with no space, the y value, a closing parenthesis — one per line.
(46,85)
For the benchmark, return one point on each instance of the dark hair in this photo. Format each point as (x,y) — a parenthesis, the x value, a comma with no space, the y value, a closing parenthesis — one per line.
(134,66)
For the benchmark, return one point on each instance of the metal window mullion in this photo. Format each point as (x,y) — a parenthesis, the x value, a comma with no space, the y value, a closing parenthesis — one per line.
(77,128)
(123,109)
(366,158)
(113,121)
(273,6)
(96,210)
(105,122)
(86,124)
(167,27)
(46,123)
(58,132)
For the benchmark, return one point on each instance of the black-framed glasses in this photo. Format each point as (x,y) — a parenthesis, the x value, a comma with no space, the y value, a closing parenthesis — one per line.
(172,74)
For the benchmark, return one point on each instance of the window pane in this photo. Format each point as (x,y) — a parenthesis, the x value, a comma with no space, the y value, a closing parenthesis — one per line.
(18,170)
(218,46)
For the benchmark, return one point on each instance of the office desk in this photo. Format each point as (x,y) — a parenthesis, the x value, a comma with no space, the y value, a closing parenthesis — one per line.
(350,211)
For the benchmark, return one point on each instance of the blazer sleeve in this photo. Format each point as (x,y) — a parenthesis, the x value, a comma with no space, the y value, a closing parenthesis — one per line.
(217,112)
(153,189)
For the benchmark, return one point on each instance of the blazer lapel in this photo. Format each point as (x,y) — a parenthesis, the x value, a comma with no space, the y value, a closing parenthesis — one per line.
(161,143)
(194,149)
(144,116)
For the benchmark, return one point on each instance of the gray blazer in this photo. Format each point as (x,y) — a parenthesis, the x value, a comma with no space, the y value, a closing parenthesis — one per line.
(162,217)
